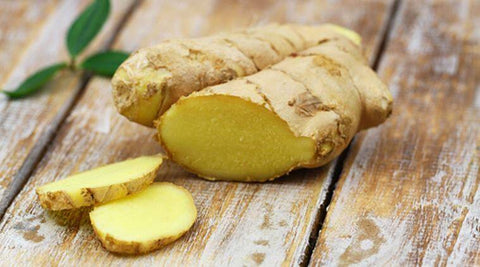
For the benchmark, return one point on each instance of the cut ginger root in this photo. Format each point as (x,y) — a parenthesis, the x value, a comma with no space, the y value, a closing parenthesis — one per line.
(101,184)
(144,221)
(299,113)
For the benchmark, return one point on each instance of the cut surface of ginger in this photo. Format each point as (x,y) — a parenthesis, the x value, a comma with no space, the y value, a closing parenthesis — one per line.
(101,184)
(146,220)
(230,138)
(144,99)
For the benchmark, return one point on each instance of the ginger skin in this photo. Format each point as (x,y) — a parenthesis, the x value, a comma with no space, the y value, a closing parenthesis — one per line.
(154,78)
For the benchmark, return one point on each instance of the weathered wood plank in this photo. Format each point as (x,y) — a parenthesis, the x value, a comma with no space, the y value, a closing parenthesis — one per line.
(27,125)
(238,224)
(409,193)
(20,25)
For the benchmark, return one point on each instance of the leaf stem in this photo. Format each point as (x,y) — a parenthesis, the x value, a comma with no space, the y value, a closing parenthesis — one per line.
(72,65)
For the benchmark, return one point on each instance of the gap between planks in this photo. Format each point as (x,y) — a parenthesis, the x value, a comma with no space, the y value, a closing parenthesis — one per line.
(336,168)
(40,147)
(420,207)
(339,163)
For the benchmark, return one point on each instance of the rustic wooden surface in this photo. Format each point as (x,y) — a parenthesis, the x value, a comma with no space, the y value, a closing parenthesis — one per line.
(408,193)
(238,223)
(27,125)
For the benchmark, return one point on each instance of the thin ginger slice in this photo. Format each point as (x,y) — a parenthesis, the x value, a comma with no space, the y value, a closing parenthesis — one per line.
(101,184)
(144,221)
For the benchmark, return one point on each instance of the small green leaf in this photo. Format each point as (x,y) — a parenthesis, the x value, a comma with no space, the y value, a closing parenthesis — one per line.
(33,83)
(87,26)
(104,63)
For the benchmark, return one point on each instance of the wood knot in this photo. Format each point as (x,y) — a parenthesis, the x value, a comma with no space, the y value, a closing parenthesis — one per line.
(258,258)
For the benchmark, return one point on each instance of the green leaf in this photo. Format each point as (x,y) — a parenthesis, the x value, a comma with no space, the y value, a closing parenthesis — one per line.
(104,63)
(33,83)
(87,26)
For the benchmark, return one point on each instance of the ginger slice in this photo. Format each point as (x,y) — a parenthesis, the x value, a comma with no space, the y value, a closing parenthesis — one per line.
(101,184)
(144,221)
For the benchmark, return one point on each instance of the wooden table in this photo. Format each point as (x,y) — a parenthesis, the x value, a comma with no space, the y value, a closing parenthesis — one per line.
(405,193)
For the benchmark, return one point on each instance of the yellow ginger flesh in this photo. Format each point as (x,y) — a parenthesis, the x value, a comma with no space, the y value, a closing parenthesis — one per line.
(227,138)
(146,220)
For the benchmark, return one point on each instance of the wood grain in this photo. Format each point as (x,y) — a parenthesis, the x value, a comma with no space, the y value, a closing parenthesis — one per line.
(20,25)
(238,224)
(409,193)
(27,125)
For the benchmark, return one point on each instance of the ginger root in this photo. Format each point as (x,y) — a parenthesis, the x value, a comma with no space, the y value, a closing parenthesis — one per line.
(100,185)
(301,112)
(154,78)
(144,221)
